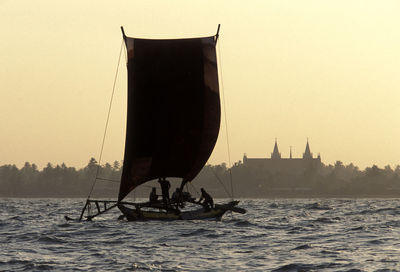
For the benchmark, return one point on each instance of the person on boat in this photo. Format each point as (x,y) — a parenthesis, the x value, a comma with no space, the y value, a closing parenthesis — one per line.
(165,185)
(187,197)
(153,195)
(177,198)
(208,202)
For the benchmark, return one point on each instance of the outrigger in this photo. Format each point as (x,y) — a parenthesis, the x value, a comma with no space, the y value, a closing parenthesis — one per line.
(173,121)
(156,211)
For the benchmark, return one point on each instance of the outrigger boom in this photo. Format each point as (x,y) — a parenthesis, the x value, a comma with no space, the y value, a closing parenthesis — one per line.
(99,210)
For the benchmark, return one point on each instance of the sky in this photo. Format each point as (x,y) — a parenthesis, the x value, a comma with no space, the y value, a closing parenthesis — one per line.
(327,71)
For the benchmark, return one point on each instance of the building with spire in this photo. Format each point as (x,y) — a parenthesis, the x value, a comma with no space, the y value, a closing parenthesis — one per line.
(307,154)
(275,155)
(277,164)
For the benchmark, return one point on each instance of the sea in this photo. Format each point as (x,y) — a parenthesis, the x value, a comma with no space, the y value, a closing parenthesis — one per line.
(274,235)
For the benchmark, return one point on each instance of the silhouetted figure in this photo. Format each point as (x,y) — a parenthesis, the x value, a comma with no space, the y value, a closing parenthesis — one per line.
(153,195)
(177,198)
(186,196)
(208,202)
(165,185)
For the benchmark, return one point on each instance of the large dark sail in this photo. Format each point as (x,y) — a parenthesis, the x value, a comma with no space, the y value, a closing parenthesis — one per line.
(173,109)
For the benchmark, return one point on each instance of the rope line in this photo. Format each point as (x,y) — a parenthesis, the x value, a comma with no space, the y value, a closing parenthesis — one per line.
(223,185)
(108,119)
(194,188)
(226,119)
(105,179)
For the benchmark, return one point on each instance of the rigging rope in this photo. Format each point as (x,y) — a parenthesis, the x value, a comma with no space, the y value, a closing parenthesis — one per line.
(108,118)
(195,190)
(226,120)
(223,185)
(105,179)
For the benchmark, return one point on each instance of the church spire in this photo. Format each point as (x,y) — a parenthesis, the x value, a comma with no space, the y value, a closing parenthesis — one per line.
(291,152)
(276,154)
(307,153)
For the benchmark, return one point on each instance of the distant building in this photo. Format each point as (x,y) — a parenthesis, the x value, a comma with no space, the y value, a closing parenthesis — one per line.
(290,165)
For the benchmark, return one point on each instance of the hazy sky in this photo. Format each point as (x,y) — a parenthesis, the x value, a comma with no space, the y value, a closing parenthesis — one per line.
(323,70)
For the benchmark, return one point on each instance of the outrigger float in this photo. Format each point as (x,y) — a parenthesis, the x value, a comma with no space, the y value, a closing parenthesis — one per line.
(173,121)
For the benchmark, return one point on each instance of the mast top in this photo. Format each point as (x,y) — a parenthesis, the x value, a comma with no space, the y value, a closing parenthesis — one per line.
(217,35)
(123,33)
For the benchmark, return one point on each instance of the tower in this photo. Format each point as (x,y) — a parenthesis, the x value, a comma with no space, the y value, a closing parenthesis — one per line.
(307,153)
(276,155)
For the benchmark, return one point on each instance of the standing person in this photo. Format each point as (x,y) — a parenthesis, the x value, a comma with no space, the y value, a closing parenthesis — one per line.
(165,185)
(208,202)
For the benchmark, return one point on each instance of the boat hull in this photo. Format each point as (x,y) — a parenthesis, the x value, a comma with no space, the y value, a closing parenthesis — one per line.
(198,214)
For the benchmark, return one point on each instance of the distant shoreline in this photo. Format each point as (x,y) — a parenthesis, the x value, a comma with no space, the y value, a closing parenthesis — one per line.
(245,181)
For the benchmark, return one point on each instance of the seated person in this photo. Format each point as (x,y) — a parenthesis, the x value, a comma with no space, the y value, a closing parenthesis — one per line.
(153,195)
(187,197)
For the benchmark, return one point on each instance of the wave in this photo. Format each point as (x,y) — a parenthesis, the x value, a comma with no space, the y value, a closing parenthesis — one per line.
(48,239)
(198,232)
(327,220)
(360,228)
(140,267)
(244,223)
(301,229)
(376,242)
(317,206)
(390,210)
(306,267)
(330,252)
(273,205)
(306,246)
(25,265)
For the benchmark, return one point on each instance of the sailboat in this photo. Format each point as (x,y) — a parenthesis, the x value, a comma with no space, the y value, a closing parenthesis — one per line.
(173,121)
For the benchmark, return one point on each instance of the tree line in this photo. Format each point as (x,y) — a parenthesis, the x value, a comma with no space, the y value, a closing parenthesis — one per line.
(240,180)
(58,180)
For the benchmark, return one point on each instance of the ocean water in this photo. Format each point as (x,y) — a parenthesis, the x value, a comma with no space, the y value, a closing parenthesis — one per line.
(275,235)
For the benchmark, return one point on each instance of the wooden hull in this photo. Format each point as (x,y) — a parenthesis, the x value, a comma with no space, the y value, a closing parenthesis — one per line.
(132,214)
